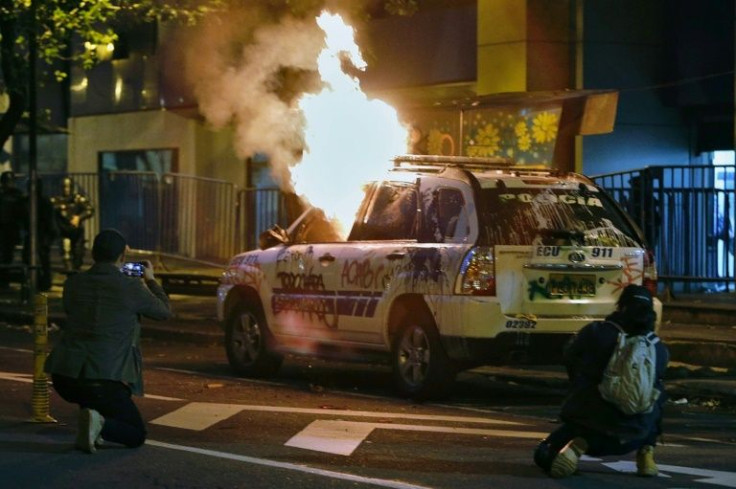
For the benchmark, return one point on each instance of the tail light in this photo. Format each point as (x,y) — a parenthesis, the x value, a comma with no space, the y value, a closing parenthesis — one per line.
(477,273)
(649,280)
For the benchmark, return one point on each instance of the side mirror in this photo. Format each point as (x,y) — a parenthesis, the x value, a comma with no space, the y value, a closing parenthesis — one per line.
(273,236)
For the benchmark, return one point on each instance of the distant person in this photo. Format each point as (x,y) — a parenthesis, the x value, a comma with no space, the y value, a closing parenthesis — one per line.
(72,209)
(643,206)
(97,362)
(12,221)
(592,425)
(46,232)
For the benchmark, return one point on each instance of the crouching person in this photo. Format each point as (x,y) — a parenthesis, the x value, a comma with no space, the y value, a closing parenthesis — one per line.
(97,361)
(615,403)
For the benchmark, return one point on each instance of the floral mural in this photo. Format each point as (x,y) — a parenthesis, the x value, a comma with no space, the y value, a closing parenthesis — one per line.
(522,135)
(525,136)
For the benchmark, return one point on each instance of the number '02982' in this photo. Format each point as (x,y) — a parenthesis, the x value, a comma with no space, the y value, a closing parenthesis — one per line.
(520,324)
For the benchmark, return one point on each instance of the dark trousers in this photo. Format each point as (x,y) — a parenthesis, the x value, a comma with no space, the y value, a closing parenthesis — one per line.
(123,422)
(75,259)
(599,445)
(9,237)
(43,273)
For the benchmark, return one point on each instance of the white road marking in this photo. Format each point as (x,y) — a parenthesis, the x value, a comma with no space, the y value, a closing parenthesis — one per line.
(343,437)
(162,398)
(375,414)
(28,378)
(200,415)
(336,437)
(287,466)
(197,416)
(715,477)
(20,350)
(628,467)
(699,439)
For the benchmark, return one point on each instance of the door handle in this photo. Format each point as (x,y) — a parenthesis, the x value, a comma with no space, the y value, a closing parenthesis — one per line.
(396,255)
(326,258)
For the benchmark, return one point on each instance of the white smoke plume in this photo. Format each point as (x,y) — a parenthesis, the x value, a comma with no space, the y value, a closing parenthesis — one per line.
(234,65)
(253,72)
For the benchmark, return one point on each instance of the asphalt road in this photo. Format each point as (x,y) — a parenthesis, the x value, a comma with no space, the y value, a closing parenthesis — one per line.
(326,425)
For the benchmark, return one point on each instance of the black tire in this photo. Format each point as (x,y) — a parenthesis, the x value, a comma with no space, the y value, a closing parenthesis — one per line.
(421,368)
(249,343)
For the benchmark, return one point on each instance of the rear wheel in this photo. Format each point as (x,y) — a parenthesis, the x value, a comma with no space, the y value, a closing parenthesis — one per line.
(421,368)
(248,343)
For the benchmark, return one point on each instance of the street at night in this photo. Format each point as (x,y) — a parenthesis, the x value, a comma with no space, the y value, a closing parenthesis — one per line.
(319,424)
(408,244)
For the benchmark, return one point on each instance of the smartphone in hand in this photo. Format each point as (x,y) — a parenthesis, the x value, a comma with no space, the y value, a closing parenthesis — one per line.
(133,269)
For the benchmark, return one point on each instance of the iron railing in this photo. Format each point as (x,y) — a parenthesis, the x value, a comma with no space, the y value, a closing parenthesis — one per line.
(53,183)
(261,208)
(197,218)
(685,212)
(687,216)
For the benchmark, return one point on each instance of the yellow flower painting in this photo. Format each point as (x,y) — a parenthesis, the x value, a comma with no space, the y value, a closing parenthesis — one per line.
(545,127)
(486,143)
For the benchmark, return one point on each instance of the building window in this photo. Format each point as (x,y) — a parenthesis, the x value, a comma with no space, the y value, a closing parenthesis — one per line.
(147,160)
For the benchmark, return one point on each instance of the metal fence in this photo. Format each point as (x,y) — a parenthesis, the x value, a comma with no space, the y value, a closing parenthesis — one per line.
(53,183)
(687,215)
(198,218)
(261,209)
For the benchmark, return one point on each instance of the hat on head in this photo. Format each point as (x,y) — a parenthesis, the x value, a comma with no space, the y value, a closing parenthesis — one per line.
(108,245)
(635,295)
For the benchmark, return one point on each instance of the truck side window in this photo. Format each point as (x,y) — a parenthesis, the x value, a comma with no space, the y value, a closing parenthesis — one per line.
(392,214)
(316,228)
(446,218)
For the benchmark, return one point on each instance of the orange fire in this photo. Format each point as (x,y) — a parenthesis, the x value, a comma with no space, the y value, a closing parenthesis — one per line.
(350,139)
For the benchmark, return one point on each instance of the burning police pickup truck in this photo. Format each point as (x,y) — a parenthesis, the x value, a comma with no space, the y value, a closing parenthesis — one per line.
(451,263)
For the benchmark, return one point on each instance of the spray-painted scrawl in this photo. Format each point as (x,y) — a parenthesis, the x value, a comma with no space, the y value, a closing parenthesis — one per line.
(449,263)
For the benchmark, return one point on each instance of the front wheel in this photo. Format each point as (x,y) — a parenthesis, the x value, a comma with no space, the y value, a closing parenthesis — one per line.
(248,343)
(421,368)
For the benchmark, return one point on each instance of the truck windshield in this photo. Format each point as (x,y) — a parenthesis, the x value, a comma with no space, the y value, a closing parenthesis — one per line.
(555,216)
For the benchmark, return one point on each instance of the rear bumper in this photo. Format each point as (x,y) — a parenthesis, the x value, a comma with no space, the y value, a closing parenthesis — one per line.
(542,344)
(508,348)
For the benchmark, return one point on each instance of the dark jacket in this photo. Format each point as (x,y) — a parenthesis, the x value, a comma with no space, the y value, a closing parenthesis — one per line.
(101,339)
(586,359)
(12,213)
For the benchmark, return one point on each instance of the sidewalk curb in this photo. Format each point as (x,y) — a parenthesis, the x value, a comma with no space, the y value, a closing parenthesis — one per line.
(193,332)
(694,352)
(202,334)
(716,314)
(713,354)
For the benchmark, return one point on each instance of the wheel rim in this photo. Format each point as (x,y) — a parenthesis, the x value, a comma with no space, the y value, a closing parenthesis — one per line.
(246,338)
(414,356)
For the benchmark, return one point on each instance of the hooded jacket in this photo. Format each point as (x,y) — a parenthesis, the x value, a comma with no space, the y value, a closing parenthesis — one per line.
(586,358)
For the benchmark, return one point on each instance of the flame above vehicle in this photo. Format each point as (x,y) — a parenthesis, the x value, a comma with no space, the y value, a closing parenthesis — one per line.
(349,138)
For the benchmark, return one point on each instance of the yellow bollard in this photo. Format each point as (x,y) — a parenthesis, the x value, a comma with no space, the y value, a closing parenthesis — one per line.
(40,400)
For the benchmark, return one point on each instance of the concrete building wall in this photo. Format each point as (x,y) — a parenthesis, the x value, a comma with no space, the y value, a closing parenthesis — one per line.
(201,151)
(523,45)
(625,49)
(502,47)
(517,46)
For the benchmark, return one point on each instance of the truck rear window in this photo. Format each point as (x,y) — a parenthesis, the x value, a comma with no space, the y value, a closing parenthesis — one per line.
(556,216)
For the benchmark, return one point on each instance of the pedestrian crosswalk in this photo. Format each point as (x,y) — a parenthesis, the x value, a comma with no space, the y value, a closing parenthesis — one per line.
(338,436)
(342,432)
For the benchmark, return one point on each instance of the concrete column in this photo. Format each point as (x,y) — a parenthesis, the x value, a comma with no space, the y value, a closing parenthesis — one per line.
(524,45)
(502,46)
